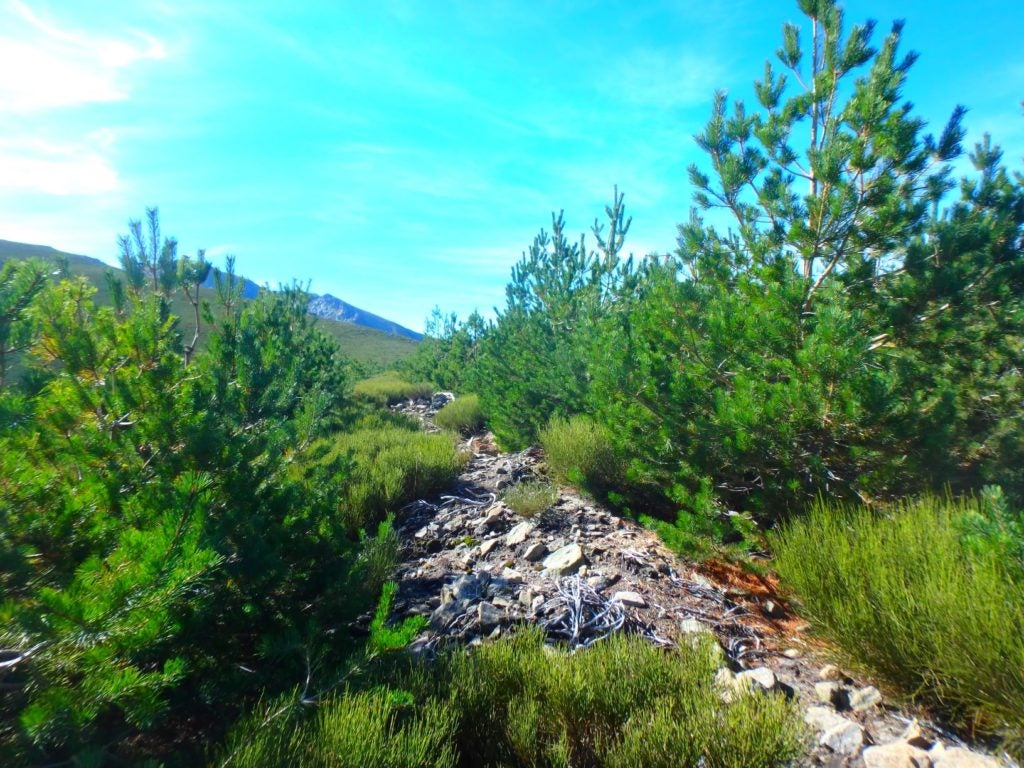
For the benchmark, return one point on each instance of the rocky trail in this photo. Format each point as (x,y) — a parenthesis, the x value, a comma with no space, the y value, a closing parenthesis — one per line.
(477,570)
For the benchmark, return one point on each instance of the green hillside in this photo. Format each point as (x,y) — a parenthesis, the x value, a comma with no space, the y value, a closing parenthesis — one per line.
(365,345)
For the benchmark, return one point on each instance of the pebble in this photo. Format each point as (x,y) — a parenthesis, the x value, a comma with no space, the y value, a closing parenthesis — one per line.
(487,546)
(896,755)
(518,534)
(761,676)
(535,552)
(864,698)
(634,599)
(565,560)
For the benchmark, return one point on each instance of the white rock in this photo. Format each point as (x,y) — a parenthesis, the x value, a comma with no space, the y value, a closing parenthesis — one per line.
(487,546)
(825,690)
(830,672)
(634,599)
(896,755)
(822,718)
(565,560)
(518,534)
(863,698)
(958,757)
(792,653)
(694,627)
(761,676)
(845,738)
(535,552)
(512,575)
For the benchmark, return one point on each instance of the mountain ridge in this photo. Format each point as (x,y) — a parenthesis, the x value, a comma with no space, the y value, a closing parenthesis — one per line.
(325,306)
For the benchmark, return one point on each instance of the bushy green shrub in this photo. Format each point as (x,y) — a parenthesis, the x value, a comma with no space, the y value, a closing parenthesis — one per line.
(530,498)
(389,388)
(145,502)
(908,593)
(621,702)
(375,729)
(389,466)
(580,451)
(518,703)
(461,415)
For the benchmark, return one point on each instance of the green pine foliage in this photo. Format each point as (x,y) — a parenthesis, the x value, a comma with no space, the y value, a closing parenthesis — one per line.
(854,332)
(922,595)
(170,543)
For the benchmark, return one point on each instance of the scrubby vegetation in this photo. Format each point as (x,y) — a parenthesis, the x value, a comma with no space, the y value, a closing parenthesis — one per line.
(389,466)
(514,703)
(845,324)
(928,594)
(188,531)
(461,415)
(390,387)
(580,451)
(530,498)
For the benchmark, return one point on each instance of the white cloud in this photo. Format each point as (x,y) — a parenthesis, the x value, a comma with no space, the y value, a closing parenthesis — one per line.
(667,79)
(44,66)
(57,169)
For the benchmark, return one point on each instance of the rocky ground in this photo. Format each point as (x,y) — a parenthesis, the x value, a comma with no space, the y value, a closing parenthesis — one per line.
(477,570)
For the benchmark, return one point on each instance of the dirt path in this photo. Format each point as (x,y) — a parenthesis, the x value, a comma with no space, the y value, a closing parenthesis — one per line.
(476,570)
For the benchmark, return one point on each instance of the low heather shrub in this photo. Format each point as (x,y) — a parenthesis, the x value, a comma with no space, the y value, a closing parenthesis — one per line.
(915,594)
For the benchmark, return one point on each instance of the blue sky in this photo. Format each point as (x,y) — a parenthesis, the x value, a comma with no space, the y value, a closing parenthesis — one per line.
(402,154)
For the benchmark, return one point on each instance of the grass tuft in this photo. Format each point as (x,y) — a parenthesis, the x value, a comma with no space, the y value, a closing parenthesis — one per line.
(461,415)
(389,388)
(530,498)
(914,595)
(621,702)
(580,451)
(390,466)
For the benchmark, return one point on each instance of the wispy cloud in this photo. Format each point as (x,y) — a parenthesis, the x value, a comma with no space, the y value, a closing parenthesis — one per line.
(44,65)
(666,78)
(29,164)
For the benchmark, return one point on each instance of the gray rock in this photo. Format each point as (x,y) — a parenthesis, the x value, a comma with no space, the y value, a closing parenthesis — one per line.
(958,757)
(487,546)
(488,615)
(597,583)
(695,627)
(634,599)
(773,610)
(761,676)
(491,521)
(565,560)
(836,732)
(896,755)
(427,530)
(446,613)
(518,534)
(822,718)
(831,692)
(845,738)
(864,698)
(535,552)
